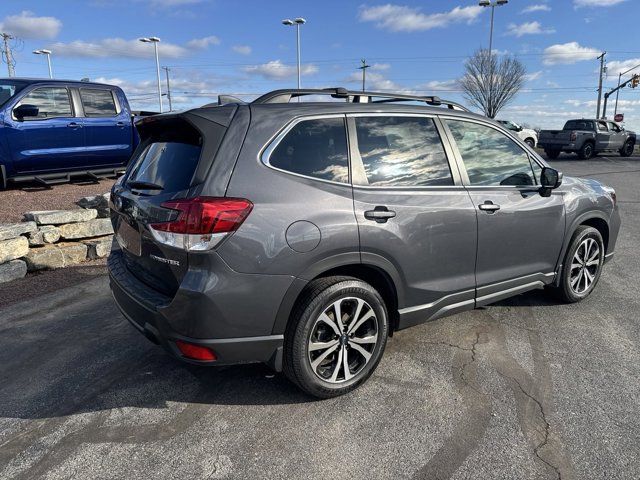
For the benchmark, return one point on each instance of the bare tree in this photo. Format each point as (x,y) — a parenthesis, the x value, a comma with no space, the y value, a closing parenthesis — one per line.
(490,83)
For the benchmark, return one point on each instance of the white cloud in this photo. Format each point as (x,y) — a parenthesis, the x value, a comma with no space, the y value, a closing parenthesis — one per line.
(527,28)
(202,43)
(116,47)
(380,66)
(540,7)
(441,86)
(529,77)
(615,67)
(568,53)
(27,26)
(596,3)
(401,18)
(242,49)
(173,3)
(276,70)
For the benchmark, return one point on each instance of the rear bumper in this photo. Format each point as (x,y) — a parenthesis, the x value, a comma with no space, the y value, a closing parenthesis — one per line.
(150,313)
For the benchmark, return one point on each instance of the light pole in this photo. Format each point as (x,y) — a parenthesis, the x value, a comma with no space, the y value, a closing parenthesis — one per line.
(363,66)
(155,41)
(297,22)
(493,5)
(618,90)
(48,54)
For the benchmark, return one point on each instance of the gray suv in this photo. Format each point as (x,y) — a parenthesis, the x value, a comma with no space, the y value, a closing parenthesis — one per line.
(302,234)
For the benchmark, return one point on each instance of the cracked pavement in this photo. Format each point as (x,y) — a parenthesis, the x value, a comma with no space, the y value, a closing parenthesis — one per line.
(526,388)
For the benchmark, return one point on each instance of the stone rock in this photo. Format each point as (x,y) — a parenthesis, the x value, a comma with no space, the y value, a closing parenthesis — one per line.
(12,270)
(92,228)
(13,230)
(98,247)
(45,234)
(56,256)
(99,202)
(14,248)
(58,217)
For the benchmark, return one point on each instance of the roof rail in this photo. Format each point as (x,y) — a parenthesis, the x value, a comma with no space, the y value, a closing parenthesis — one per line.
(285,96)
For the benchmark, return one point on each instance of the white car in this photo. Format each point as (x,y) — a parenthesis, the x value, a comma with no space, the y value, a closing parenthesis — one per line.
(528,136)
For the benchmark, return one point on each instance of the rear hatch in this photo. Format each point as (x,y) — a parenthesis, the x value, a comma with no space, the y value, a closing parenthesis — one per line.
(170,163)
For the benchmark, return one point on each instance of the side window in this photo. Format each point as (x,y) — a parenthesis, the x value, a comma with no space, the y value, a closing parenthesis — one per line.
(490,157)
(315,148)
(402,152)
(98,102)
(613,127)
(602,127)
(51,102)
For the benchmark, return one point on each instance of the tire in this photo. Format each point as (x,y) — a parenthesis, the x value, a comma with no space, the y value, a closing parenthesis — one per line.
(587,151)
(531,142)
(627,149)
(327,377)
(573,285)
(552,154)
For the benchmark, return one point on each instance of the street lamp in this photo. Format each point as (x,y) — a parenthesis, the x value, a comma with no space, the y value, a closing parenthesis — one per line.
(493,5)
(618,90)
(297,22)
(155,41)
(48,54)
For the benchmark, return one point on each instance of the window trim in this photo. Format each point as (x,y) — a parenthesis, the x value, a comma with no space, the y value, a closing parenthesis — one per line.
(500,129)
(358,165)
(113,98)
(69,97)
(264,155)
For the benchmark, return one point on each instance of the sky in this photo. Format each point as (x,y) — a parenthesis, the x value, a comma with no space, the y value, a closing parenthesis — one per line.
(240,47)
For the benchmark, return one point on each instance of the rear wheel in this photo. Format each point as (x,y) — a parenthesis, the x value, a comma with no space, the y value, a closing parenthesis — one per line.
(582,265)
(530,142)
(627,149)
(552,154)
(336,336)
(587,151)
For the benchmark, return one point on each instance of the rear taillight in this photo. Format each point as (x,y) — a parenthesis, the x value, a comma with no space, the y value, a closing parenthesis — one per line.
(196,352)
(202,222)
(573,137)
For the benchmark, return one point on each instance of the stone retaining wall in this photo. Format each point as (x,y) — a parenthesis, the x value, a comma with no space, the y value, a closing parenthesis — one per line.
(56,238)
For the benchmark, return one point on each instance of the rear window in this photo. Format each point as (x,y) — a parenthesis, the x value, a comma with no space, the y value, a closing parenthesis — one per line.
(169,154)
(98,102)
(579,125)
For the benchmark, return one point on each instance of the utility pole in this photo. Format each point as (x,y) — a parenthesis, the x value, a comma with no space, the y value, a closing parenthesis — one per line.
(364,67)
(8,57)
(166,71)
(601,58)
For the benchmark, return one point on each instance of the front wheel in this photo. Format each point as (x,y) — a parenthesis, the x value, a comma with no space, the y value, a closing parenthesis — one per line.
(582,265)
(530,142)
(336,336)
(627,149)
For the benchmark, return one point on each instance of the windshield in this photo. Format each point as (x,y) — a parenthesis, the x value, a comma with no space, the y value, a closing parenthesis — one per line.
(8,88)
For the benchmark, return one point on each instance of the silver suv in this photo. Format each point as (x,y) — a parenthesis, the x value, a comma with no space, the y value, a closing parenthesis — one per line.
(302,234)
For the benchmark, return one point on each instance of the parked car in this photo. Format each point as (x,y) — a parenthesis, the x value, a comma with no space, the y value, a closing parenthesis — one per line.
(527,135)
(52,130)
(304,234)
(588,137)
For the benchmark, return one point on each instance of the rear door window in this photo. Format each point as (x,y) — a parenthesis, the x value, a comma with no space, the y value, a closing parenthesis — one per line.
(314,148)
(399,151)
(98,102)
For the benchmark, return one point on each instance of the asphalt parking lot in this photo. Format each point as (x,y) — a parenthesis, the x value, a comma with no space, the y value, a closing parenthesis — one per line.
(526,388)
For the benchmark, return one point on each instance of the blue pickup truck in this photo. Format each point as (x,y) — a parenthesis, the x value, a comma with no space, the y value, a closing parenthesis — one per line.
(52,130)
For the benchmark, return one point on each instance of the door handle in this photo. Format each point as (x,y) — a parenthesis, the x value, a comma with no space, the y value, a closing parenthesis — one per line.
(74,125)
(120,124)
(379,214)
(489,207)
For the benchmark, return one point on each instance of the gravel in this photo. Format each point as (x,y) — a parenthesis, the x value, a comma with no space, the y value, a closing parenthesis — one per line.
(22,198)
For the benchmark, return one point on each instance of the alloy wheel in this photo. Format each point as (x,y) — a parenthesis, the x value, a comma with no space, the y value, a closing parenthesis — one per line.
(343,339)
(584,265)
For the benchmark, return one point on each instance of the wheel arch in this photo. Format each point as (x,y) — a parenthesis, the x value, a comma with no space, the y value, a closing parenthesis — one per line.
(384,281)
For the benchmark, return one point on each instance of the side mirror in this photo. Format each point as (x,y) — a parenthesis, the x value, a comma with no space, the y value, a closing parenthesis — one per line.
(26,110)
(550,178)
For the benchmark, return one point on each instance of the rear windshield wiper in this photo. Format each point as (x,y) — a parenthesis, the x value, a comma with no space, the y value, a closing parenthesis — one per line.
(144,185)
